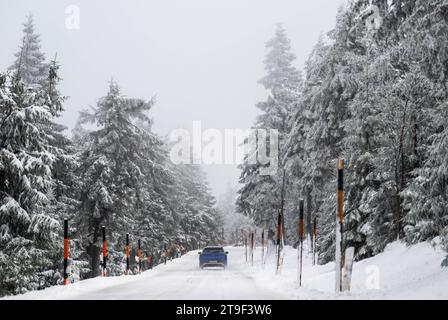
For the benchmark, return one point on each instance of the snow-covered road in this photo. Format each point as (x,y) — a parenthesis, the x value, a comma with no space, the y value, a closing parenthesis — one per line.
(178,279)
(399,272)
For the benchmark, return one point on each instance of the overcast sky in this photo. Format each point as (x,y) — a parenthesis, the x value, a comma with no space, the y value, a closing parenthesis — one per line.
(201,58)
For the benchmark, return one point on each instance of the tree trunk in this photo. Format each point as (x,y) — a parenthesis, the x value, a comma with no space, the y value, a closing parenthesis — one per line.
(94,251)
(399,170)
(94,257)
(415,146)
(397,202)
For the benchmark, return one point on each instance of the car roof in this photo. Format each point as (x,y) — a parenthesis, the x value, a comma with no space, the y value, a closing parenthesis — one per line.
(214,247)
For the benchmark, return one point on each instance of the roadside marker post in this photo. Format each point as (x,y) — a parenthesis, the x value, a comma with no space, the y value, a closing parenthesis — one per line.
(139,255)
(65,251)
(104,273)
(300,246)
(127,254)
(279,236)
(339,226)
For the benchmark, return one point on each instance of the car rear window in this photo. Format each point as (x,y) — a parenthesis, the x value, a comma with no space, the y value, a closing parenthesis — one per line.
(213,250)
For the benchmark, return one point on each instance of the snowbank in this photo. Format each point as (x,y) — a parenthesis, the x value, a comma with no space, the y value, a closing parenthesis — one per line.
(400,272)
(109,287)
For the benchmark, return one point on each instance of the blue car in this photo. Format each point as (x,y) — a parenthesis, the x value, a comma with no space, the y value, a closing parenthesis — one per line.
(213,257)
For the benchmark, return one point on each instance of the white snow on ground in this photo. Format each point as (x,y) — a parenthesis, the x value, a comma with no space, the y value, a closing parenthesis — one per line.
(399,273)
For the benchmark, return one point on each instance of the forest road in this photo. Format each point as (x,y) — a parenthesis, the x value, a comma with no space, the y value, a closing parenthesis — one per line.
(179,279)
(183,279)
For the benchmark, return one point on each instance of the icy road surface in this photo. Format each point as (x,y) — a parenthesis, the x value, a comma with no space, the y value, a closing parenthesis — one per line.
(179,279)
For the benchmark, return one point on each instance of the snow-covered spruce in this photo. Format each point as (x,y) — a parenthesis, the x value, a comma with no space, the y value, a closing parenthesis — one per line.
(29,256)
(260,195)
(128,184)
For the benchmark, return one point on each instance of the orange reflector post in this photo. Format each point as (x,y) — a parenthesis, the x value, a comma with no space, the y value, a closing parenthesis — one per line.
(65,251)
(127,253)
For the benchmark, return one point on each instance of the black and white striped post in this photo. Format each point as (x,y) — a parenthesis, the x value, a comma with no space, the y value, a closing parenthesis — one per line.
(300,246)
(104,272)
(127,254)
(65,251)
(339,225)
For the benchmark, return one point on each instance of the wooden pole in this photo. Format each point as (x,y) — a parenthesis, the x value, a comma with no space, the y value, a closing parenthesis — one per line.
(339,225)
(65,251)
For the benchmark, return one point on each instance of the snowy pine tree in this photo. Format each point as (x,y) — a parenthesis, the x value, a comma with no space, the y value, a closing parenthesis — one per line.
(199,219)
(373,102)
(29,256)
(30,64)
(317,135)
(260,197)
(112,171)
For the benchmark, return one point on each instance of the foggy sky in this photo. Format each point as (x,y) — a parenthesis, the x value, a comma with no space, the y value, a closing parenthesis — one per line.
(201,58)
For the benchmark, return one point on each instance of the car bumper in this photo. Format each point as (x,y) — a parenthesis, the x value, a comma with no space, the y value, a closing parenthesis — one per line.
(213,264)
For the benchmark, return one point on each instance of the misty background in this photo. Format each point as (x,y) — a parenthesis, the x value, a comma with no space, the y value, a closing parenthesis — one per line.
(201,59)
